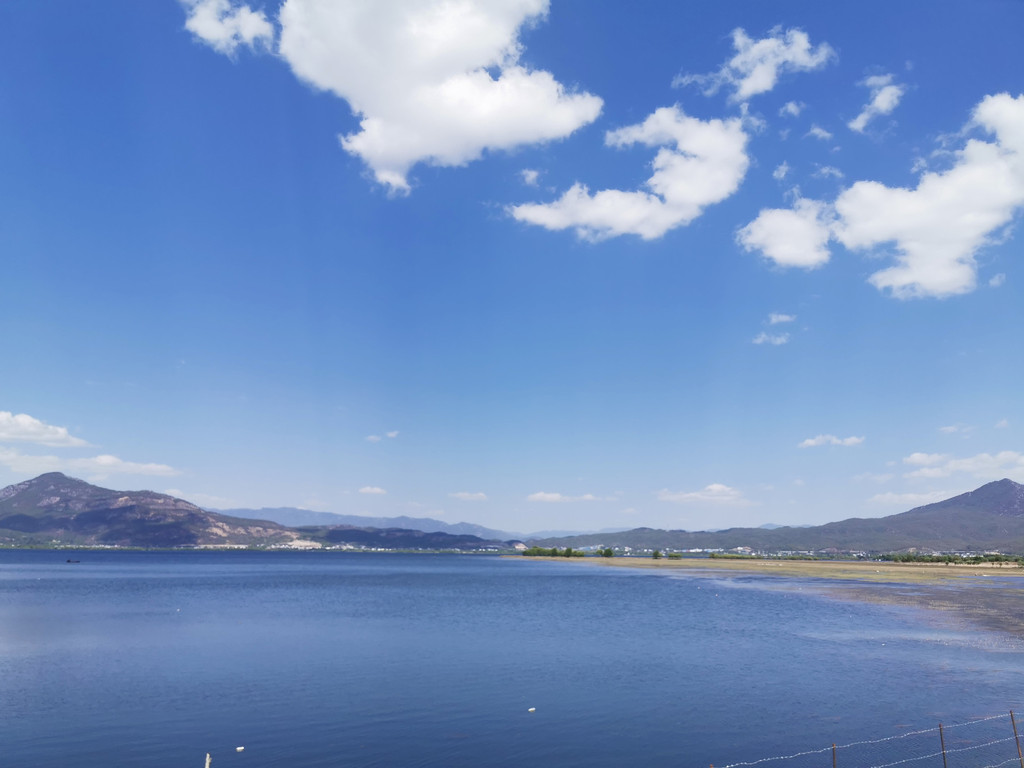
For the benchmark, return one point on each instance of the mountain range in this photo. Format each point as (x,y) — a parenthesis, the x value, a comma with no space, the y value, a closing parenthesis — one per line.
(54,509)
(989,518)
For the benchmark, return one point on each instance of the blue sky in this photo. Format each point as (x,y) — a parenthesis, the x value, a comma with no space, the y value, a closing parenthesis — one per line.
(533,265)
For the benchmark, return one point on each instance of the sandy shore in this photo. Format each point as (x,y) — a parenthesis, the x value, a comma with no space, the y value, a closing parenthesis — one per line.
(989,596)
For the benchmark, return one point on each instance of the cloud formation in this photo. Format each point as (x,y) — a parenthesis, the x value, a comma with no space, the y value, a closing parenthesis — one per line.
(225,27)
(990,466)
(757,64)
(555,498)
(716,493)
(22,428)
(814,442)
(432,81)
(372,490)
(94,467)
(935,229)
(938,227)
(885,97)
(698,163)
(775,339)
(795,237)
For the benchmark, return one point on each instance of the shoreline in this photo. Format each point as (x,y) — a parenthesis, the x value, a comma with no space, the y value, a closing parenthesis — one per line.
(989,596)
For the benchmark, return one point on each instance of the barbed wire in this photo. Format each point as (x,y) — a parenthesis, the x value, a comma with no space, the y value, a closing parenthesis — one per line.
(896,737)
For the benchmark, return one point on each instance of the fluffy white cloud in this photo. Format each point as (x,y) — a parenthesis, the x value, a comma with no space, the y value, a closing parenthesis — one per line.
(392,434)
(699,163)
(818,132)
(796,237)
(225,27)
(1002,424)
(716,493)
(94,466)
(555,498)
(435,81)
(23,428)
(468,496)
(373,438)
(828,172)
(814,442)
(776,339)
(781,170)
(372,490)
(938,227)
(774,318)
(997,280)
(530,176)
(757,64)
(792,109)
(990,466)
(910,499)
(885,97)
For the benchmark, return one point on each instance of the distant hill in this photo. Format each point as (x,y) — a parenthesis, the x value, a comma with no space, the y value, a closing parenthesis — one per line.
(296,517)
(988,518)
(56,509)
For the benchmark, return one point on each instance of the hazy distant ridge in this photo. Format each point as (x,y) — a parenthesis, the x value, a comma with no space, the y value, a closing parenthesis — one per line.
(988,518)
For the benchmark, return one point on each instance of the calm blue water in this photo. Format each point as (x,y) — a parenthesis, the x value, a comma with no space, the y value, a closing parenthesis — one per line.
(332,659)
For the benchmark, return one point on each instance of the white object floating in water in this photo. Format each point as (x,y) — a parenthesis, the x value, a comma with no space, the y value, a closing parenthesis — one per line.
(532,709)
(239,749)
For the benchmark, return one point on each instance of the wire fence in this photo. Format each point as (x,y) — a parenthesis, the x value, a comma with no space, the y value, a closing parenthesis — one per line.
(988,742)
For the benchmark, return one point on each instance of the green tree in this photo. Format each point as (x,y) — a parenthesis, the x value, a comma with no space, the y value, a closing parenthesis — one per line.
(657,554)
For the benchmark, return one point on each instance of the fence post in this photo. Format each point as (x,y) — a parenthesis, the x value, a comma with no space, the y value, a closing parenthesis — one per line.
(942,741)
(834,755)
(1016,738)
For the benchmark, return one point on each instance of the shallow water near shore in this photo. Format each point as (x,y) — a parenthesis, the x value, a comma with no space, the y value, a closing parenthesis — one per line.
(330,659)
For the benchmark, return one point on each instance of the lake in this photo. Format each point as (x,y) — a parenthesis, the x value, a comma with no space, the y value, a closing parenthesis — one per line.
(352,659)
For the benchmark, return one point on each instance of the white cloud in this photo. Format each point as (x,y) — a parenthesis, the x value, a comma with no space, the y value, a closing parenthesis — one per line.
(827,172)
(434,81)
(373,438)
(953,429)
(392,434)
(909,499)
(796,237)
(781,170)
(768,338)
(997,280)
(757,64)
(814,442)
(792,109)
(699,163)
(716,493)
(1002,424)
(885,97)
(22,428)
(95,466)
(530,176)
(372,490)
(225,27)
(818,132)
(938,227)
(468,496)
(774,318)
(555,498)
(983,465)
